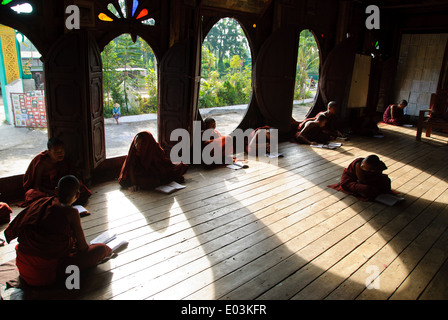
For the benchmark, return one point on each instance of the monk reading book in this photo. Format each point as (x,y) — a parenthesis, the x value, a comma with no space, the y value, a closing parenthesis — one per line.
(147,166)
(364,178)
(331,127)
(259,141)
(394,114)
(312,133)
(44,172)
(217,141)
(50,237)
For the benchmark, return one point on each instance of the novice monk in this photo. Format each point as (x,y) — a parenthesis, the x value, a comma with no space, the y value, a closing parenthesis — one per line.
(44,172)
(394,113)
(312,133)
(258,141)
(51,238)
(146,165)
(364,178)
(217,141)
(331,126)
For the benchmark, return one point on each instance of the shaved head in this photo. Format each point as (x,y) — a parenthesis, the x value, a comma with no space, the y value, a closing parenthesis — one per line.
(68,187)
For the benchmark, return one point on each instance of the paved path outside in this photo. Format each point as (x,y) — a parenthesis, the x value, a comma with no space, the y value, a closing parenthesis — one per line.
(20,145)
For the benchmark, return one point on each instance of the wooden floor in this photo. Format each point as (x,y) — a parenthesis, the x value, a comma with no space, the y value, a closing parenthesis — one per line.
(276,231)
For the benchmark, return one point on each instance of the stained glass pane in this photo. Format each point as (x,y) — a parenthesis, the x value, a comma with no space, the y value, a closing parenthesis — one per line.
(142,14)
(112,9)
(23,8)
(104,17)
(149,21)
(123,7)
(134,7)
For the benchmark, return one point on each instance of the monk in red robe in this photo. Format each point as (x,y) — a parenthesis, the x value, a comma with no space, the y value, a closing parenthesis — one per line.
(394,114)
(258,141)
(331,127)
(50,237)
(364,178)
(312,133)
(44,172)
(217,141)
(147,166)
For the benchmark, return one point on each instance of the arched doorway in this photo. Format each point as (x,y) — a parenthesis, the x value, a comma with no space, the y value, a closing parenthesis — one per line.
(226,73)
(130,82)
(307,75)
(23,107)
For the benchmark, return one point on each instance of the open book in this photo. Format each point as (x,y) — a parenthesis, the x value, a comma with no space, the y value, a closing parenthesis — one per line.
(237,166)
(389,199)
(111,239)
(170,187)
(274,155)
(331,145)
(82,211)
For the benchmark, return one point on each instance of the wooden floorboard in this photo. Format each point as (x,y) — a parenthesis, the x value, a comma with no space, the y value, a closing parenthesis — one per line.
(276,231)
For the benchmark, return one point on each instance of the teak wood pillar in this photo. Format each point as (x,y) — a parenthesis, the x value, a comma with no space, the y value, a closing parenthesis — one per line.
(74,93)
(179,76)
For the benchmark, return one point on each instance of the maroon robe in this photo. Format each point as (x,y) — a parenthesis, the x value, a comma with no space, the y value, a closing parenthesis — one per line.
(152,167)
(374,184)
(398,115)
(49,180)
(219,141)
(46,243)
(331,126)
(313,132)
(250,149)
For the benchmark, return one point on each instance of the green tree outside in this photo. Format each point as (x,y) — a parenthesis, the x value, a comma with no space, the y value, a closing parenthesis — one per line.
(226,70)
(307,63)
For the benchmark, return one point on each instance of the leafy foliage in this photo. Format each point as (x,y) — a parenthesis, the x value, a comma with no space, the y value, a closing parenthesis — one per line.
(226,70)
(226,66)
(307,63)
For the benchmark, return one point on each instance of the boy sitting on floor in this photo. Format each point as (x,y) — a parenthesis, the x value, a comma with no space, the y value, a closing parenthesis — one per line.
(364,178)
(44,172)
(50,237)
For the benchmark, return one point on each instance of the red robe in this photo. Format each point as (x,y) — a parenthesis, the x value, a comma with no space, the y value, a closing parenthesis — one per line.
(375,184)
(152,167)
(219,141)
(398,115)
(49,180)
(331,124)
(253,149)
(46,244)
(313,132)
